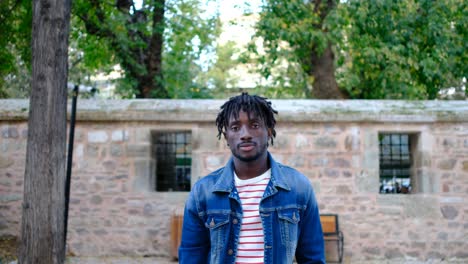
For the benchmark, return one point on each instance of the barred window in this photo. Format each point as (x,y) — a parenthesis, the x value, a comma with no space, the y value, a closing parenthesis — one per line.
(395,163)
(172,152)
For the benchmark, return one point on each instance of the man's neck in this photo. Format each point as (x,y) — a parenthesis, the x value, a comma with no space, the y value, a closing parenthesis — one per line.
(249,170)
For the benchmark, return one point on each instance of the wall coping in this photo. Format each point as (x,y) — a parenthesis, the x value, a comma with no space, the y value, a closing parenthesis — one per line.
(299,110)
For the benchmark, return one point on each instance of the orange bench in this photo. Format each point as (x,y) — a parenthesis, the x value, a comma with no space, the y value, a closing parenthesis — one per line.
(331,232)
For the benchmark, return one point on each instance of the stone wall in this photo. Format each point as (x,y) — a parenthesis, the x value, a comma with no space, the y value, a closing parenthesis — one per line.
(114,210)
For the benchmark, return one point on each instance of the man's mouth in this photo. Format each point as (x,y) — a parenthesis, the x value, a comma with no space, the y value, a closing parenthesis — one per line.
(246,146)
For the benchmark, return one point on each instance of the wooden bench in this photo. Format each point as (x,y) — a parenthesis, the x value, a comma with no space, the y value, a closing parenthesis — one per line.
(332,232)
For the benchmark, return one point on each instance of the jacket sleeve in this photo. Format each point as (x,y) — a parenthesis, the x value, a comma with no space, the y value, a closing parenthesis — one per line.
(195,244)
(310,247)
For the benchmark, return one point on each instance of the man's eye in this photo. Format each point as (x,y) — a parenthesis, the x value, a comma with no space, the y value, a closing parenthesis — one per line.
(255,125)
(234,128)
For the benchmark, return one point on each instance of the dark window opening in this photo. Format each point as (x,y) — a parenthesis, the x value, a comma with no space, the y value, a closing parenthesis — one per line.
(173,154)
(395,163)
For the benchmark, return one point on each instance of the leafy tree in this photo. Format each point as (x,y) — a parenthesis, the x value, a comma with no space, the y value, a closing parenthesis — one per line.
(134,35)
(379,49)
(218,77)
(157,44)
(189,33)
(303,33)
(15,46)
(405,49)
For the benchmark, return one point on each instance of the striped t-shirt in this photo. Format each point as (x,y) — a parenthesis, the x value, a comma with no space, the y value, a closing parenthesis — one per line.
(251,238)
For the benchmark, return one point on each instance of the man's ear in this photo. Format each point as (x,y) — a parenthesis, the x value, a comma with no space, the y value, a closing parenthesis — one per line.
(270,133)
(224,135)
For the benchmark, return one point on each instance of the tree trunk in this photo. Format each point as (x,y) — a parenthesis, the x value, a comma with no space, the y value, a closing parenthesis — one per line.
(323,70)
(142,63)
(42,227)
(151,85)
(321,66)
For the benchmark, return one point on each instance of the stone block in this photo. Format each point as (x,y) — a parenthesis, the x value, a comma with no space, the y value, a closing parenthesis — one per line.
(316,186)
(10,132)
(393,253)
(447,164)
(451,199)
(325,142)
(426,181)
(301,141)
(214,161)
(371,140)
(5,162)
(449,143)
(319,162)
(372,250)
(371,160)
(139,151)
(449,212)
(341,163)
(343,190)
(145,174)
(281,143)
(420,206)
(331,173)
(109,165)
(96,200)
(465,165)
(92,150)
(97,136)
(116,150)
(367,181)
(143,135)
(206,139)
(296,161)
(10,197)
(119,135)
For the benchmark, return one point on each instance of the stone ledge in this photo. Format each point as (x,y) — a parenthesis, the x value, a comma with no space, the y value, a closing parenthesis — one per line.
(290,110)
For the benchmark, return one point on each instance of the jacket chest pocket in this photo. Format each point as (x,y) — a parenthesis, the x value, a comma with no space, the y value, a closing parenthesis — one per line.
(219,230)
(289,227)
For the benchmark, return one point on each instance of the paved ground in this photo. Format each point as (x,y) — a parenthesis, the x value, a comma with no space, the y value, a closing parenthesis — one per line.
(123,260)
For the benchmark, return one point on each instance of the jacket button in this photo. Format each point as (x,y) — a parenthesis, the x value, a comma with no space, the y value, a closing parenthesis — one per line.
(235,221)
(230,252)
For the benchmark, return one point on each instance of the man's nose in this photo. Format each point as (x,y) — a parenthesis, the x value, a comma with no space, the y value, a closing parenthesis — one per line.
(245,133)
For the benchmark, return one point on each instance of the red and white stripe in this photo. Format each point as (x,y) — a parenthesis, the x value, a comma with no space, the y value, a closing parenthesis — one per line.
(251,239)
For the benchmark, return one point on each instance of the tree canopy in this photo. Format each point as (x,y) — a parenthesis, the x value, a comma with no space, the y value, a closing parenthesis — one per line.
(327,49)
(381,49)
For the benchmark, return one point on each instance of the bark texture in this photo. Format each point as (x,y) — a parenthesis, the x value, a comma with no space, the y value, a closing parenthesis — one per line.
(42,226)
(320,65)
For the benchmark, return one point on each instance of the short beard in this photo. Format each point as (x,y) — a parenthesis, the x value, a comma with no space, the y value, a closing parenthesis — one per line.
(254,158)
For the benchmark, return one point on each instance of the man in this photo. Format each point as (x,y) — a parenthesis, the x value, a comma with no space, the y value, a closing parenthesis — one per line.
(254,210)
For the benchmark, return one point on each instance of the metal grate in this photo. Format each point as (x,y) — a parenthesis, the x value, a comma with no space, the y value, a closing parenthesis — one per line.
(172,151)
(395,163)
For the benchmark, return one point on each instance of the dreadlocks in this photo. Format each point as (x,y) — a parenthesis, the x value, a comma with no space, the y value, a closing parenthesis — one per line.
(251,104)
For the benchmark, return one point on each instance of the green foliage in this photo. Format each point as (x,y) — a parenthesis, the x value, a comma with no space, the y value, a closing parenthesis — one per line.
(15,42)
(189,33)
(405,49)
(218,77)
(291,32)
(384,49)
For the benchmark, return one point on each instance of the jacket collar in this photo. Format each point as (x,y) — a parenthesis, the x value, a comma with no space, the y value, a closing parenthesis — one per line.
(225,183)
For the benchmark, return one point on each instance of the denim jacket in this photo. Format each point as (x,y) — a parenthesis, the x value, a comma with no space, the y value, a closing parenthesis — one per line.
(288,209)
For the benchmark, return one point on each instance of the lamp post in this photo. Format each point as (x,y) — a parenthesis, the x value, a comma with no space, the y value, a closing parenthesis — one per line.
(75,91)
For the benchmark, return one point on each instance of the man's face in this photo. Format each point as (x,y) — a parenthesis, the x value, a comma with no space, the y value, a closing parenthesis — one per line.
(247,138)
